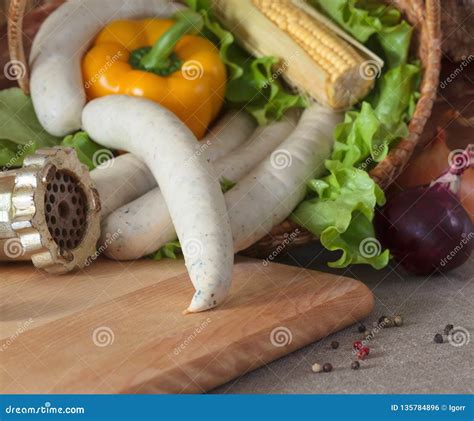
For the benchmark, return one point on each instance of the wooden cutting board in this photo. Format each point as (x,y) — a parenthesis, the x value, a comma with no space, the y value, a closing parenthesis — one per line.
(119,328)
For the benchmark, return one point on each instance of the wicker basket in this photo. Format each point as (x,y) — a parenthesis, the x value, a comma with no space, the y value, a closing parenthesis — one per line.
(423,15)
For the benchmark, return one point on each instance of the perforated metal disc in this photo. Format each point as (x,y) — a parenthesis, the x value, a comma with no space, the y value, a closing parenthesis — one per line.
(65,210)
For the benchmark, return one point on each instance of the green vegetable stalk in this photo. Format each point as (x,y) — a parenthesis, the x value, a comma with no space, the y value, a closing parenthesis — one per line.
(340,207)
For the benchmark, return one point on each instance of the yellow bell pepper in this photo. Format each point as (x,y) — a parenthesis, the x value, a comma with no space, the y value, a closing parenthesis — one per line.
(159,59)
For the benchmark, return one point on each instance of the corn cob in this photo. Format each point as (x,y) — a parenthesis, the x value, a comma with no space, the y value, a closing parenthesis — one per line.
(314,59)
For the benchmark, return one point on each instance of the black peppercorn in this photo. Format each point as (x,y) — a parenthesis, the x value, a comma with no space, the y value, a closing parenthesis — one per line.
(334,344)
(438,338)
(448,329)
(381,319)
(361,328)
(355,365)
(327,367)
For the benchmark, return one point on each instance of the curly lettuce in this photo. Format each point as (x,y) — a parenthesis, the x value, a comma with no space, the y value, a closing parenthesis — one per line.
(89,153)
(339,208)
(252,84)
(171,250)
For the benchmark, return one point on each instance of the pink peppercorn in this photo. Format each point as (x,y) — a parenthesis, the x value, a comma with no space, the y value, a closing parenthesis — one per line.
(357,345)
(363,353)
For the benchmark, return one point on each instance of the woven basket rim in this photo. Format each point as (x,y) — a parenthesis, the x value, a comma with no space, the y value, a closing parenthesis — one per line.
(424,15)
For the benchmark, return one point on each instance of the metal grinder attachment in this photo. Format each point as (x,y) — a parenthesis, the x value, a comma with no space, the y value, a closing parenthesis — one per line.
(49,212)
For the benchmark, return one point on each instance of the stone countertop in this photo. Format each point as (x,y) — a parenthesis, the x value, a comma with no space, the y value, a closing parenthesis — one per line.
(402,359)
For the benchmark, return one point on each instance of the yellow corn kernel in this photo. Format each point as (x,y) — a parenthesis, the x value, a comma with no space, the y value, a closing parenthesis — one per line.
(331,53)
(320,62)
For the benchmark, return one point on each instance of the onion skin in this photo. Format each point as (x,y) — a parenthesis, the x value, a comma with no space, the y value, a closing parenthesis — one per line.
(430,164)
(426,229)
(467,192)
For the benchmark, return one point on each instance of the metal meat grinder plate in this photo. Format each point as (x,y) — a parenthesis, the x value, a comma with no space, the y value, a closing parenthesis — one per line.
(49,212)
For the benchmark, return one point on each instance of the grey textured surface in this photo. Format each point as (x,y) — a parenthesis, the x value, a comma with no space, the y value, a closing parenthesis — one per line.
(402,359)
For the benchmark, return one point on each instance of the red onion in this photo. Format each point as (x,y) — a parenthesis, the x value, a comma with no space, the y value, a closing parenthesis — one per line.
(425,227)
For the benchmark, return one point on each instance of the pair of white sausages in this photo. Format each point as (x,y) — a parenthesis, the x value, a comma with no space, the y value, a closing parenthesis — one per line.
(126,178)
(210,227)
(144,228)
(154,134)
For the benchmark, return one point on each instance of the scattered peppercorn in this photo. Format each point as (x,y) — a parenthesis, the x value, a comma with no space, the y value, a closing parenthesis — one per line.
(355,365)
(316,368)
(448,329)
(327,367)
(357,345)
(398,320)
(334,344)
(438,338)
(361,328)
(361,355)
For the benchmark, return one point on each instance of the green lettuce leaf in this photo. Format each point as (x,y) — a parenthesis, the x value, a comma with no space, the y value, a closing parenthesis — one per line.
(89,153)
(369,131)
(227,185)
(170,250)
(374,23)
(342,212)
(20,131)
(340,207)
(252,84)
(258,90)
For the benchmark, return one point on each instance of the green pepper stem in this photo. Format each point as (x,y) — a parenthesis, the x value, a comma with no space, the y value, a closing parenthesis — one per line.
(158,58)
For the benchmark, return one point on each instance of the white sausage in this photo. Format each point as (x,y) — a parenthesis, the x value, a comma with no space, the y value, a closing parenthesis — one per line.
(230,132)
(265,139)
(126,178)
(57,88)
(145,225)
(268,195)
(120,181)
(261,200)
(188,184)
